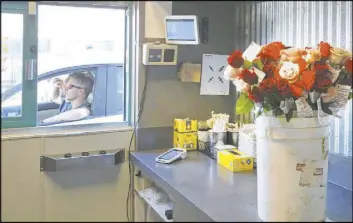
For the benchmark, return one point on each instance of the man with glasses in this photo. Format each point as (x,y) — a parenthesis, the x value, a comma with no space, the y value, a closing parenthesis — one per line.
(72,95)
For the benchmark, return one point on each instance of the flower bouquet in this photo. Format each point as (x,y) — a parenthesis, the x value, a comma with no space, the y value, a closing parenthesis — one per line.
(285,80)
(291,156)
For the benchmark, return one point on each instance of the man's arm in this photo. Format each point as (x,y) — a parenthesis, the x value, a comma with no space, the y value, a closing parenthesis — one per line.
(56,95)
(71,115)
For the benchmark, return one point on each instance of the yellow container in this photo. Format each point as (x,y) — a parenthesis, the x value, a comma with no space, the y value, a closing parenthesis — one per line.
(234,160)
(185,125)
(186,141)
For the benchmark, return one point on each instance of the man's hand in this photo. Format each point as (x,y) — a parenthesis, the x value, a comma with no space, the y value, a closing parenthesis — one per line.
(57,90)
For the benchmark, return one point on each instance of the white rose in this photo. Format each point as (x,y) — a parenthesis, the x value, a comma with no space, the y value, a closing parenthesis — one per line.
(240,85)
(289,71)
(339,55)
(231,73)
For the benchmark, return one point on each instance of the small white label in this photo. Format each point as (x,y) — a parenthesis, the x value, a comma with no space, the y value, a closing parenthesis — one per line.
(303,108)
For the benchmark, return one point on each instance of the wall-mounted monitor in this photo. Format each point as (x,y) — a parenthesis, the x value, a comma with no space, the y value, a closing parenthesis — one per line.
(182,29)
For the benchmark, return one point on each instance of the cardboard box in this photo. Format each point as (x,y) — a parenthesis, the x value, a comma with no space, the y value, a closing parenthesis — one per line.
(185,125)
(234,160)
(186,141)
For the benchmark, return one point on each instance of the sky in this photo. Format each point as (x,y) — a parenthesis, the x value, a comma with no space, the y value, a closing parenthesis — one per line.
(74,23)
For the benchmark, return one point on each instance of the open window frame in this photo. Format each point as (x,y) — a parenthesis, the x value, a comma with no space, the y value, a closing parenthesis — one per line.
(29,92)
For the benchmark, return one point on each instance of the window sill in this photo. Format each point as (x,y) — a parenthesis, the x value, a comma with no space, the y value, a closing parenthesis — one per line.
(64,130)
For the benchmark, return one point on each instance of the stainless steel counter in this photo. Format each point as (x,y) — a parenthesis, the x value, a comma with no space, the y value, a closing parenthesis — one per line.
(203,190)
(210,189)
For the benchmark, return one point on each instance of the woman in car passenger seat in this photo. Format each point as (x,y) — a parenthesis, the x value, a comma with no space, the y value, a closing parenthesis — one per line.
(72,95)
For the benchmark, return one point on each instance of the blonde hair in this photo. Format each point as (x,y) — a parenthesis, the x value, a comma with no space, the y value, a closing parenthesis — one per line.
(85,79)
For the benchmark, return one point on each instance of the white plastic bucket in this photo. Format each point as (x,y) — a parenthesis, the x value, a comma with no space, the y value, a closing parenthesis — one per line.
(292,168)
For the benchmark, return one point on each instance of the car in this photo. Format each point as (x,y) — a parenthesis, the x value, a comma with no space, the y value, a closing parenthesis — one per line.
(107,97)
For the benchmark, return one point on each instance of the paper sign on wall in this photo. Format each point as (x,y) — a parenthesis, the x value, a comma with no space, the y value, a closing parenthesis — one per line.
(212,80)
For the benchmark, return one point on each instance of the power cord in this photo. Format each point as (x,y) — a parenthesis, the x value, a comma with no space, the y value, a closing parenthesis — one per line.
(130,191)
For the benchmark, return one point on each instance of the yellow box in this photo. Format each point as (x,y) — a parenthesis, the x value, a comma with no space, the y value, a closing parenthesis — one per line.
(186,141)
(234,160)
(185,125)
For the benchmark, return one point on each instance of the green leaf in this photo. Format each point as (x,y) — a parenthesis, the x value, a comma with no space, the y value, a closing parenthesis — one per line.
(289,115)
(247,64)
(243,105)
(350,96)
(258,64)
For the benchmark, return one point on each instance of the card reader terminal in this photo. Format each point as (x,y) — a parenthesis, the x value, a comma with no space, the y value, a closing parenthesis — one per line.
(171,155)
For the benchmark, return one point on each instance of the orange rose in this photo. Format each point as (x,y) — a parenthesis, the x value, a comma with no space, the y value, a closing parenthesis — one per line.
(271,51)
(308,79)
(324,49)
(236,59)
(306,82)
(297,90)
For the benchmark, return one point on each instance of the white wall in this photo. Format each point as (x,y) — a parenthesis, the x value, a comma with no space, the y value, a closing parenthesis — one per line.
(154,16)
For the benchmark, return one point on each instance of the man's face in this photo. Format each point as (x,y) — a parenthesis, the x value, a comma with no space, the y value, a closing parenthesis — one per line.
(73,90)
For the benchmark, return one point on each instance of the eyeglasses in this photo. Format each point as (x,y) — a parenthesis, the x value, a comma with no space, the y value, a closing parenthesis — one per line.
(69,86)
